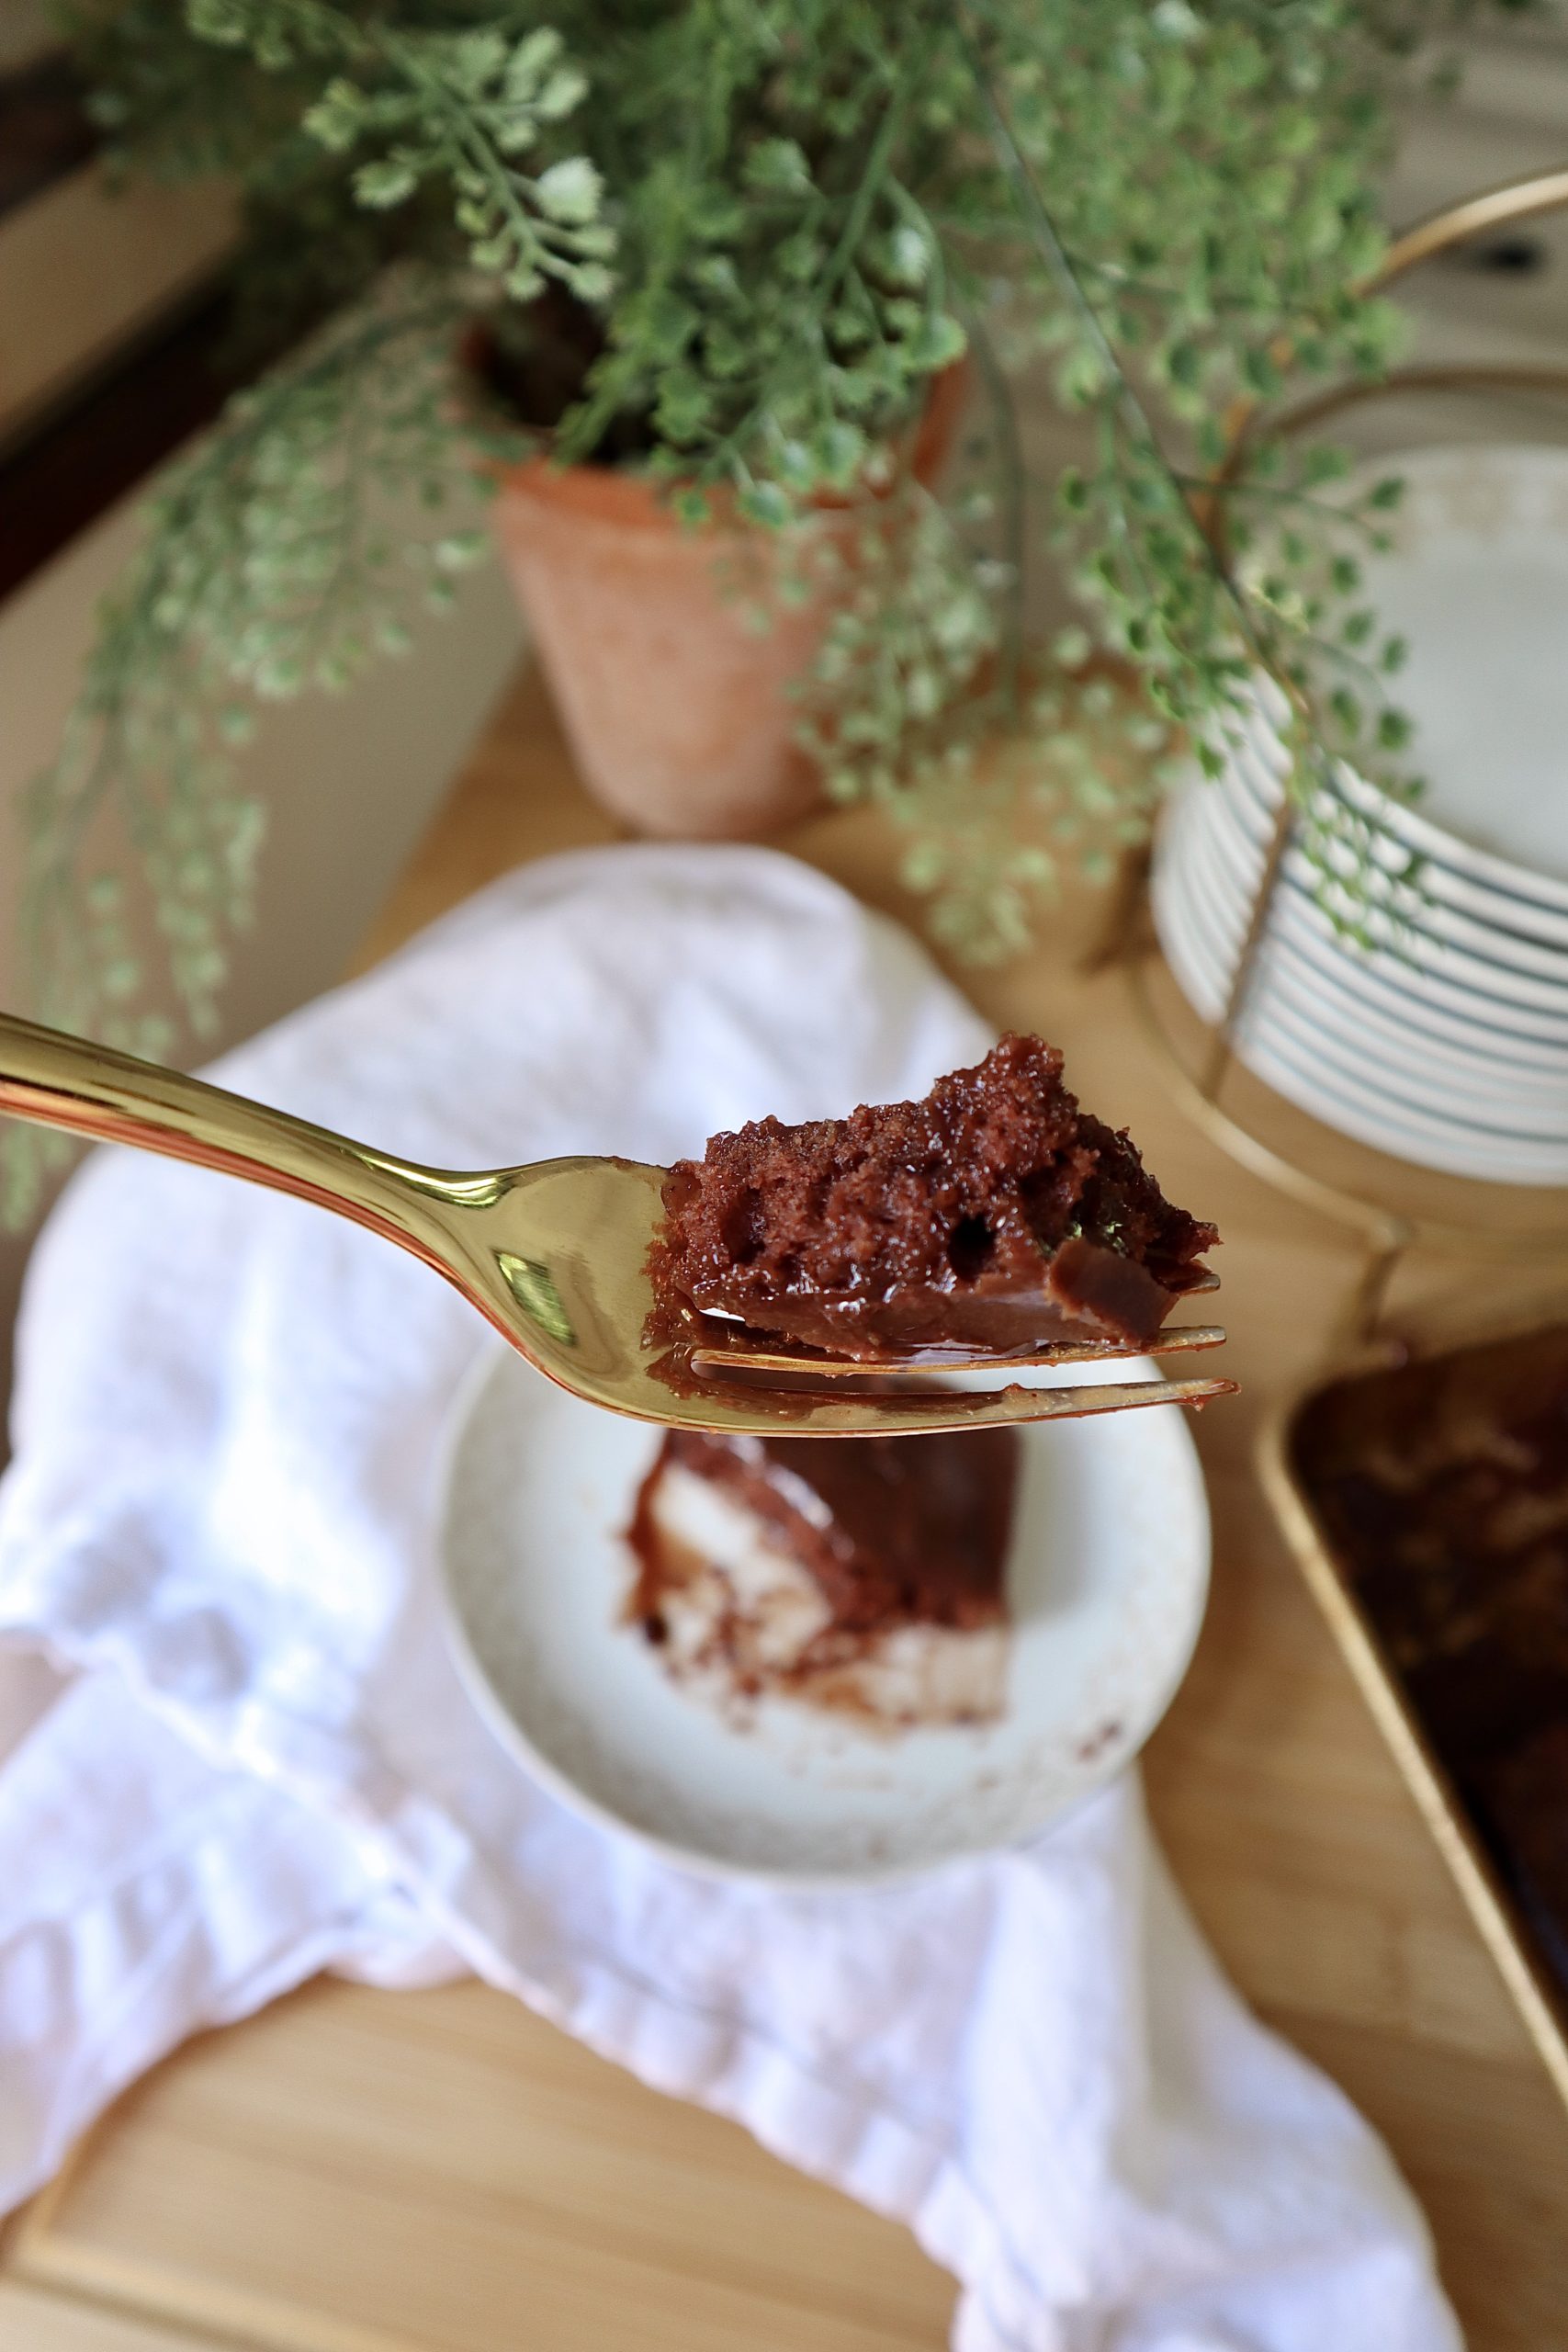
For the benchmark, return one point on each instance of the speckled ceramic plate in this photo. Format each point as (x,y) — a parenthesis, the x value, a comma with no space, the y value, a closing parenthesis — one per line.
(1108,1576)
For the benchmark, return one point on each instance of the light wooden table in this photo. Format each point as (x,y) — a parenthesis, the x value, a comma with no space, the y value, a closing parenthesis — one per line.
(359,2171)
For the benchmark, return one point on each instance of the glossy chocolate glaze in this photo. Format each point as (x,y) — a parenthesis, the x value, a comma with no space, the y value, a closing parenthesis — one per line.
(893,1531)
(1443,1487)
(994,1215)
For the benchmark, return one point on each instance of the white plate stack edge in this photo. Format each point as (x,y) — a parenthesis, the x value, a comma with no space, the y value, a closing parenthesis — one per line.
(1448,1045)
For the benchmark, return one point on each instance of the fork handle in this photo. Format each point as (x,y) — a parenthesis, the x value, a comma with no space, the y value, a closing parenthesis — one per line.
(57,1080)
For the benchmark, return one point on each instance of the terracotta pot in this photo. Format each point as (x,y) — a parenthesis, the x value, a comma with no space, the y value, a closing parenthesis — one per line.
(676,705)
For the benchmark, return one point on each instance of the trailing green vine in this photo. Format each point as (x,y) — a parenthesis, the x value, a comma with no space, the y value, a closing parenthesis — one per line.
(282,555)
(735,242)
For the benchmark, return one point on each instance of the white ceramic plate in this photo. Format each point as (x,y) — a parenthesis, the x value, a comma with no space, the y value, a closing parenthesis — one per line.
(1249,791)
(1440,1014)
(1108,1577)
(1286,1041)
(1296,1068)
(1355,1038)
(1512,965)
(1477,582)
(1395,1044)
(1432,1015)
(1372,1118)
(1469,1132)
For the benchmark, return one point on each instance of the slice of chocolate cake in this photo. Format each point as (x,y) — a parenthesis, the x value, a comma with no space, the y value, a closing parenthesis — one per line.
(867,1575)
(993,1217)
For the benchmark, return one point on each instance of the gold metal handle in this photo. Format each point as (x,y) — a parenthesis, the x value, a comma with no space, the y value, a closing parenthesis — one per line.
(1518,199)
(57,1080)
(1453,224)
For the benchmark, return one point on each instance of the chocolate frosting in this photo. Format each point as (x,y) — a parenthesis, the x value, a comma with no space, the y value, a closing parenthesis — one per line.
(893,1530)
(1443,1487)
(991,1216)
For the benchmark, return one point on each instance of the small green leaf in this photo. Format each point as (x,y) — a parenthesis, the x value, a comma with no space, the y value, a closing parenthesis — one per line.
(1176,20)
(530,61)
(838,450)
(460,550)
(337,115)
(936,343)
(1080,378)
(767,503)
(1260,372)
(381,184)
(1324,463)
(570,190)
(778,166)
(590,282)
(561,93)
(909,255)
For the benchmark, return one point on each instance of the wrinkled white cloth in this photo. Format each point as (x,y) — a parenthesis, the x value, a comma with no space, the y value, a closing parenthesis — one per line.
(251,1758)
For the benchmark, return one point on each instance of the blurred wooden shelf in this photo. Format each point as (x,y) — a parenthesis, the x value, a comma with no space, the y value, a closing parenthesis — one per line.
(37,2320)
(359,2171)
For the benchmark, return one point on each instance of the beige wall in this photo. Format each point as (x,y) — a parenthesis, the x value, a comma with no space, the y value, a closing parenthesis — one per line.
(85,267)
(350,780)
(25,27)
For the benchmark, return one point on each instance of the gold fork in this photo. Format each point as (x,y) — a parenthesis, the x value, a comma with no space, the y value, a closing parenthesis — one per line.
(554,1255)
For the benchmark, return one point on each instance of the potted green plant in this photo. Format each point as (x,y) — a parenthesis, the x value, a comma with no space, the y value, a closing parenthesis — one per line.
(693,271)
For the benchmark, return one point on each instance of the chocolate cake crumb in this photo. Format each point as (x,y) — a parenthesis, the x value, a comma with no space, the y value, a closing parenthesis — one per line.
(991,1216)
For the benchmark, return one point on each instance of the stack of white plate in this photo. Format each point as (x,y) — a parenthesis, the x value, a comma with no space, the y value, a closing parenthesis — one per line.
(1446,1043)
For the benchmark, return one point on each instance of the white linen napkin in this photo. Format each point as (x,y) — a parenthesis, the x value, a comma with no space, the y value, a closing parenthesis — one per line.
(255,1761)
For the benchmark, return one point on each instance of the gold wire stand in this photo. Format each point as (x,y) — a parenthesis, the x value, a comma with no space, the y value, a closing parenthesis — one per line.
(1388,1234)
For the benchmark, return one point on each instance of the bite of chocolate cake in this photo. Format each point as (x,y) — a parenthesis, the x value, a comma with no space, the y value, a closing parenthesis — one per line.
(993,1217)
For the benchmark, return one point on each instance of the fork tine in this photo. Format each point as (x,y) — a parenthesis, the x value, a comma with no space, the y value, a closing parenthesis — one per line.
(801,1413)
(739,1357)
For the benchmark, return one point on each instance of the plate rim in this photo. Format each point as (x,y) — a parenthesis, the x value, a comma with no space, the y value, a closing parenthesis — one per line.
(1457,930)
(1262,1052)
(1458,892)
(1535,887)
(1341,993)
(1196,861)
